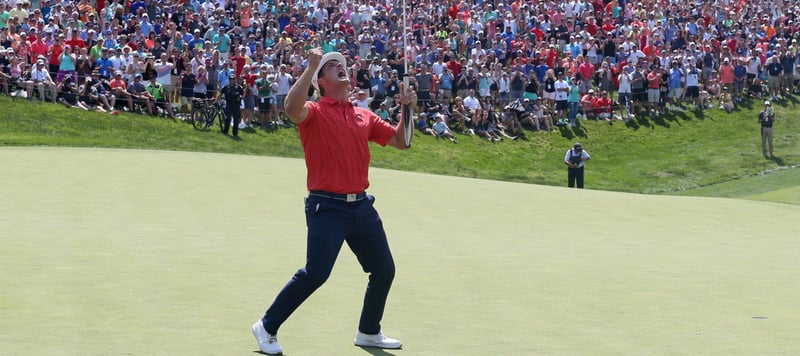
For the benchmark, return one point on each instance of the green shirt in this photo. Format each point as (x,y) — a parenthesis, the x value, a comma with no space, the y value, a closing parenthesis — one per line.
(96,51)
(155,90)
(263,87)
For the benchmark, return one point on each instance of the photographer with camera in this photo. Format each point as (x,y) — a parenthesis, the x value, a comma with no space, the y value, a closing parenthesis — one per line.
(574,160)
(766,118)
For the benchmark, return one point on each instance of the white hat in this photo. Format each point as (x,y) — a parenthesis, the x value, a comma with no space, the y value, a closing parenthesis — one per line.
(330,56)
(767,103)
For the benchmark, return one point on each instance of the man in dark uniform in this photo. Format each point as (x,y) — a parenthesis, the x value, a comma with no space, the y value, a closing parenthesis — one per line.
(574,160)
(766,118)
(232,93)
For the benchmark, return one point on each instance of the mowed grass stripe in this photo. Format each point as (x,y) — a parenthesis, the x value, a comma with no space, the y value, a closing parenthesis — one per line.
(147,252)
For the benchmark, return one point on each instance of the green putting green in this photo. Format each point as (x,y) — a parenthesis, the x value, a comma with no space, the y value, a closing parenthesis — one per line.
(172,253)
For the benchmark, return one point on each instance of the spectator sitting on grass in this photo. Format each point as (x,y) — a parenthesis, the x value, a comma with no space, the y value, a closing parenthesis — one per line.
(587,104)
(422,124)
(726,101)
(471,102)
(382,111)
(602,106)
(483,127)
(460,116)
(440,129)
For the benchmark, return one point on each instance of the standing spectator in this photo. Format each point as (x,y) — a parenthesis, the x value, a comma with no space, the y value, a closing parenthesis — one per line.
(692,90)
(654,91)
(284,81)
(574,159)
(774,71)
(676,85)
(573,100)
(562,93)
(233,93)
(767,118)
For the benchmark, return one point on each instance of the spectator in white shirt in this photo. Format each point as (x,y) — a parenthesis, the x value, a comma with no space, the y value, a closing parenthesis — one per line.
(471,102)
(40,78)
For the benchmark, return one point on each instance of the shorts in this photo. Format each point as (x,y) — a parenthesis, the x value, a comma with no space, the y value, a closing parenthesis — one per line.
(623,98)
(639,95)
(249,102)
(199,95)
(279,101)
(185,100)
(549,95)
(531,96)
(561,105)
(63,73)
(773,82)
(263,104)
(653,95)
(692,92)
(675,93)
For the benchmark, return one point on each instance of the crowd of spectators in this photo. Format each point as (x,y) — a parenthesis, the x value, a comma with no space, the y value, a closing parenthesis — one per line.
(551,61)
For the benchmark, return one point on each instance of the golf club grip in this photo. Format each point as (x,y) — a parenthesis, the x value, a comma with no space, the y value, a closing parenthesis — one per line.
(407,117)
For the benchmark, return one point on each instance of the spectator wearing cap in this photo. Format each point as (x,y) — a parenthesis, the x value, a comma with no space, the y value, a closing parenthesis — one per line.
(222,43)
(726,100)
(249,77)
(137,94)
(654,90)
(120,89)
(19,12)
(41,80)
(767,118)
(574,159)
(262,85)
(774,71)
(573,100)
(158,94)
(54,52)
(676,86)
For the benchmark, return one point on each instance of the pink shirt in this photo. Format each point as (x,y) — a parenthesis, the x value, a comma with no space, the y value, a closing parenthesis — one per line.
(726,74)
(335,138)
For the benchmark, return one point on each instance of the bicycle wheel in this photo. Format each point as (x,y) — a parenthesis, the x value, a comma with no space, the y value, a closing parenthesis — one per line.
(209,117)
(220,117)
(199,118)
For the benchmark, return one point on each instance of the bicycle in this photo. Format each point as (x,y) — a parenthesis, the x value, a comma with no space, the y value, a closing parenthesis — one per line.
(205,112)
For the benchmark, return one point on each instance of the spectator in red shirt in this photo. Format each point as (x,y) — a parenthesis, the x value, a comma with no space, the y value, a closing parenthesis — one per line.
(603,106)
(75,42)
(239,59)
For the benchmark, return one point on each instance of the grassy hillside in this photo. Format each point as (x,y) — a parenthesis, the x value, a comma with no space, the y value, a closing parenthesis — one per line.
(672,154)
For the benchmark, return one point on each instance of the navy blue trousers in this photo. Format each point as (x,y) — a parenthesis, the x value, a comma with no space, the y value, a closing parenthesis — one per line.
(331,223)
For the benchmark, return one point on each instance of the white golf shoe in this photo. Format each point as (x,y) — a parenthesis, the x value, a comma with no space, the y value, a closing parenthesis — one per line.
(266,342)
(377,340)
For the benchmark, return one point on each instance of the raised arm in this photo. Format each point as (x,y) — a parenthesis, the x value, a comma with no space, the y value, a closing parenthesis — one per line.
(295,102)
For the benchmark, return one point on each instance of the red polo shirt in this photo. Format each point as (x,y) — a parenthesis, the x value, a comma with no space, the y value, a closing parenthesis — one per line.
(335,138)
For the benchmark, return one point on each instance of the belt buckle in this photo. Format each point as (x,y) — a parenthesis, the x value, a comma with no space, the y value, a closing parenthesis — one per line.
(351,198)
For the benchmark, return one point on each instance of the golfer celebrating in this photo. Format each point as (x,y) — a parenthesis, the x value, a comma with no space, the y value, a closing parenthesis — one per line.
(335,136)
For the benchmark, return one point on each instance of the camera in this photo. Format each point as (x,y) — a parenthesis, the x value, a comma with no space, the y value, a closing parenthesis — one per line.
(576,158)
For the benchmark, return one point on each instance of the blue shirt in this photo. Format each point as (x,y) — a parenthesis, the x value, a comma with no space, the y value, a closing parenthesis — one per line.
(104,67)
(675,76)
